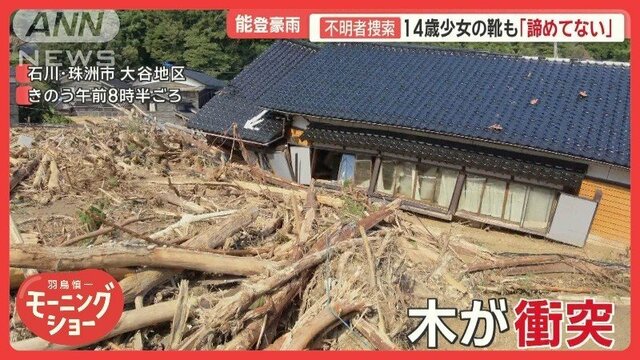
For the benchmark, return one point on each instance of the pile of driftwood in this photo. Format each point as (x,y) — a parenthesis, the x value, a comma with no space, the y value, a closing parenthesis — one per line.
(215,254)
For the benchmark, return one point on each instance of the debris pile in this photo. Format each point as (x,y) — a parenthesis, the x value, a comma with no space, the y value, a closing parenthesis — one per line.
(215,254)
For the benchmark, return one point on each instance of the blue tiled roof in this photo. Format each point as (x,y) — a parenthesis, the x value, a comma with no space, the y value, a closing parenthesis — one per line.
(463,93)
(205,79)
(236,103)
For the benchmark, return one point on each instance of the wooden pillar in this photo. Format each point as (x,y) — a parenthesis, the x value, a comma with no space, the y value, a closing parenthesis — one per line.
(457,192)
(374,176)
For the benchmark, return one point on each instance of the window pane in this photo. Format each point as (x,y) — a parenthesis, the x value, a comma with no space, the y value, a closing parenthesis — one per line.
(347,168)
(471,193)
(426,185)
(446,186)
(514,207)
(385,178)
(493,198)
(363,172)
(404,182)
(539,203)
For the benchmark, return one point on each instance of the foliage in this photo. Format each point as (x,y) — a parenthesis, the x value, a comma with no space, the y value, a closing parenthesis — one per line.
(53,117)
(353,208)
(195,39)
(42,111)
(582,51)
(93,216)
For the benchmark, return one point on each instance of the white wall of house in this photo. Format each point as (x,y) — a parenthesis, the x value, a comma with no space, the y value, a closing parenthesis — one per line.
(609,173)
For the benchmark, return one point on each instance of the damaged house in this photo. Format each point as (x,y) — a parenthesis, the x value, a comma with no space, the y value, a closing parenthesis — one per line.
(534,145)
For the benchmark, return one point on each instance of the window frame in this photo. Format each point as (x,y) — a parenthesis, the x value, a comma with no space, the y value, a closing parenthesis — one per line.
(509,182)
(415,176)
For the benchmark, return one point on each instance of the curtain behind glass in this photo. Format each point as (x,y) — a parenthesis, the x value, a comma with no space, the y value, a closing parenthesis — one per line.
(493,198)
(426,185)
(472,193)
(446,186)
(514,208)
(385,177)
(404,183)
(362,176)
(539,202)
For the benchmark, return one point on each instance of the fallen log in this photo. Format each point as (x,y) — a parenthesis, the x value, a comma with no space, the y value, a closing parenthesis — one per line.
(17,276)
(548,268)
(180,317)
(54,176)
(187,219)
(250,335)
(379,340)
(39,178)
(508,263)
(299,193)
(182,203)
(552,263)
(76,258)
(216,235)
(141,282)
(23,173)
(305,331)
(15,237)
(226,308)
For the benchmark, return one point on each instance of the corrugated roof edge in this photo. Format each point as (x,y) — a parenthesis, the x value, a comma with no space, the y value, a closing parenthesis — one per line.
(395,46)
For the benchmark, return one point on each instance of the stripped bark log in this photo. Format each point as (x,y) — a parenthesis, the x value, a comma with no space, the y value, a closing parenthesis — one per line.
(306,227)
(305,331)
(349,230)
(379,340)
(16,238)
(179,323)
(216,235)
(40,178)
(182,203)
(75,258)
(141,282)
(507,263)
(248,337)
(188,219)
(301,194)
(227,307)
(133,233)
(17,276)
(54,176)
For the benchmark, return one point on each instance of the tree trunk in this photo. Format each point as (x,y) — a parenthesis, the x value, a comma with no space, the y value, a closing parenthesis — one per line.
(215,236)
(75,258)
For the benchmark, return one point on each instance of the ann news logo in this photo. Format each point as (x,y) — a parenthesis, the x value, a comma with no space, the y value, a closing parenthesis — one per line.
(68,26)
